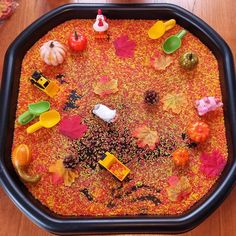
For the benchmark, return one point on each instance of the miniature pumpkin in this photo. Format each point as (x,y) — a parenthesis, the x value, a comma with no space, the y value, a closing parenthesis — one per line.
(180,156)
(21,158)
(77,42)
(188,60)
(198,131)
(53,53)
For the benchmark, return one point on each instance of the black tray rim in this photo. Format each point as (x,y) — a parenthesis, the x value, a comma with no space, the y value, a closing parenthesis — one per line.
(115,224)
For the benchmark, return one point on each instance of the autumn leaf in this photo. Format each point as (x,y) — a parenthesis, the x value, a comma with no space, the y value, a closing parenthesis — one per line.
(57,179)
(106,86)
(72,127)
(69,177)
(173,180)
(124,47)
(7,8)
(179,188)
(174,102)
(212,164)
(160,61)
(146,137)
(61,174)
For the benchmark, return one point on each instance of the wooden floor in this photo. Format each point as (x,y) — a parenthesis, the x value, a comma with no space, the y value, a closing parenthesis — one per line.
(220,14)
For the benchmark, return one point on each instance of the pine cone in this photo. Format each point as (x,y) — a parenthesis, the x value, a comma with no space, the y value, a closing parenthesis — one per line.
(151,97)
(70,162)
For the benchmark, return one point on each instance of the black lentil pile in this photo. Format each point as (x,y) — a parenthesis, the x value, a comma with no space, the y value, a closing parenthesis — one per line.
(100,139)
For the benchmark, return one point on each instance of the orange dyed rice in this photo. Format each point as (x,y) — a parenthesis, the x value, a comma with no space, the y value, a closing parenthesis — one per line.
(96,191)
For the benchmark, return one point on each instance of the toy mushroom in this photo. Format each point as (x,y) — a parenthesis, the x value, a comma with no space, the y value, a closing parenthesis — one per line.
(100,26)
(104,113)
(198,131)
(53,53)
(21,158)
(207,104)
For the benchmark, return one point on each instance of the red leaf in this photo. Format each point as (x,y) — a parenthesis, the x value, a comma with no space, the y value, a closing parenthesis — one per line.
(212,164)
(57,179)
(72,127)
(173,180)
(62,175)
(124,47)
(179,188)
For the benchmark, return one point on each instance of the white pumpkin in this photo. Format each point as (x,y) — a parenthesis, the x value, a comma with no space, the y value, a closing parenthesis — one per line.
(53,53)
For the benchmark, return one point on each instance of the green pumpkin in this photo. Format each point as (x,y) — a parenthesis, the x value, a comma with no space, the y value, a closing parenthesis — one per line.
(188,60)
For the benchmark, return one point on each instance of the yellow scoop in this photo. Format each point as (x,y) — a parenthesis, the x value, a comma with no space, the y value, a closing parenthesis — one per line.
(47,119)
(160,27)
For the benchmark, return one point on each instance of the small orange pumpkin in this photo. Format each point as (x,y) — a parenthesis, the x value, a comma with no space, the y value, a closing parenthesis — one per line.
(21,155)
(180,156)
(198,132)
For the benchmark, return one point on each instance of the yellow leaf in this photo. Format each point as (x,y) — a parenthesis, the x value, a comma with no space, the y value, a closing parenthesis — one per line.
(160,61)
(146,137)
(69,177)
(58,168)
(174,102)
(106,86)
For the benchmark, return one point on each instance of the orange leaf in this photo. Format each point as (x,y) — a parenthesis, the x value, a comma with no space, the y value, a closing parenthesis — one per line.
(69,177)
(57,168)
(106,86)
(59,171)
(160,61)
(179,189)
(174,102)
(146,137)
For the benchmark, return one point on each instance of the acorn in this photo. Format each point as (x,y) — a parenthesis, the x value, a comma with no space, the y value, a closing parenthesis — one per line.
(188,60)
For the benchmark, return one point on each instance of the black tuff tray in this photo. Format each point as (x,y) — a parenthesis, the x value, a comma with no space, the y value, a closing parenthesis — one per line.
(41,215)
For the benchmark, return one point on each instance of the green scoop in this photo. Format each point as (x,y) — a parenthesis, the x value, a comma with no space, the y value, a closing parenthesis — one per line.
(172,43)
(34,110)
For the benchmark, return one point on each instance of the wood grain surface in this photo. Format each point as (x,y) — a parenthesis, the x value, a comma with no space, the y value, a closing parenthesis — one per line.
(221,15)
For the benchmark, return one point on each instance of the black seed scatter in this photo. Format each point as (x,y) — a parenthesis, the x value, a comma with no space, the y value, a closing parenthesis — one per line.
(149,197)
(60,78)
(103,138)
(192,145)
(111,204)
(143,214)
(127,179)
(118,196)
(86,193)
(183,135)
(135,188)
(73,97)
